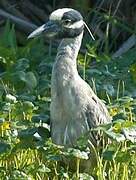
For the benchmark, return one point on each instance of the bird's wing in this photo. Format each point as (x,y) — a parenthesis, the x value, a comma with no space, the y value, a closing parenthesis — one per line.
(95,112)
(95,109)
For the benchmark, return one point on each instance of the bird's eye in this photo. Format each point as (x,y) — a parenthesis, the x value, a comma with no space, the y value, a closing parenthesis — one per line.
(66,22)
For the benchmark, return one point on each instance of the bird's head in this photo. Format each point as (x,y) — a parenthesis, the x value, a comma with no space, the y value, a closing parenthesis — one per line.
(63,23)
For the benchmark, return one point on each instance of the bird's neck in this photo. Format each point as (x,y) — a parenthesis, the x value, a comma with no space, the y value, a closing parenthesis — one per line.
(68,49)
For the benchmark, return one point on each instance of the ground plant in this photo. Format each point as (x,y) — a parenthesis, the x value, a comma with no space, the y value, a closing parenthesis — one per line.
(26,149)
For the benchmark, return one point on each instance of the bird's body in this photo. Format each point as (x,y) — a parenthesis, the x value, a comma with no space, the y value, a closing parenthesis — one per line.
(75,109)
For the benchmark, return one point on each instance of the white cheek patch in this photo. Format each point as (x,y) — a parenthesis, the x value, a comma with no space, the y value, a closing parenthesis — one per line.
(77,25)
(58,14)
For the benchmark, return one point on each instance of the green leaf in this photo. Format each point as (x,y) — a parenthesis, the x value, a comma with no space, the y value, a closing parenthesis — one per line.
(36,133)
(22,64)
(12,39)
(43,118)
(54,157)
(2,120)
(6,33)
(93,71)
(31,80)
(27,133)
(130,133)
(28,105)
(123,157)
(21,75)
(109,89)
(27,97)
(4,147)
(44,132)
(6,107)
(109,155)
(11,98)
(43,169)
(18,174)
(28,78)
(85,176)
(77,153)
(115,136)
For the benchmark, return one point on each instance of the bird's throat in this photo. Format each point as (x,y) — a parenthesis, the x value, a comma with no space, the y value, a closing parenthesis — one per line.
(69,48)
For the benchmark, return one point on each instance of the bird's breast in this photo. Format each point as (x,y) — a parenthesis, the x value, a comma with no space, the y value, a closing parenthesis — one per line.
(63,93)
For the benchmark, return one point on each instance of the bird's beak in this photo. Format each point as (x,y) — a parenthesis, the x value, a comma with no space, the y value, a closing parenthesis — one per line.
(50,29)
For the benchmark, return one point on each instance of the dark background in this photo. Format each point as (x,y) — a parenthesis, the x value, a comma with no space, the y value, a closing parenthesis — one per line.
(117,18)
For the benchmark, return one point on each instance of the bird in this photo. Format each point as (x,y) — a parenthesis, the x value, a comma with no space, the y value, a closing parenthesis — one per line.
(75,109)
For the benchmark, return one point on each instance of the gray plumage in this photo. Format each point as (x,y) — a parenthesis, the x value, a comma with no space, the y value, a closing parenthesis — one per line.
(75,109)
(74,106)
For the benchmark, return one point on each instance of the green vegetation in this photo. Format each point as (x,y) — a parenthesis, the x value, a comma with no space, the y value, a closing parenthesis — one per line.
(26,150)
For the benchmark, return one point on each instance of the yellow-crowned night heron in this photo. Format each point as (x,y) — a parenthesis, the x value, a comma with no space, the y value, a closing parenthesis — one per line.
(75,109)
